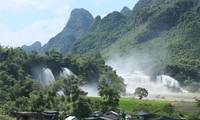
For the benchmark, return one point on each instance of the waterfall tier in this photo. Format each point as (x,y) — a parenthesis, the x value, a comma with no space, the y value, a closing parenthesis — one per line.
(66,72)
(159,86)
(44,75)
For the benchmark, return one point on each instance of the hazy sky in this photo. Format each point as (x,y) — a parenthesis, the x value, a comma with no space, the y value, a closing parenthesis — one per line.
(27,21)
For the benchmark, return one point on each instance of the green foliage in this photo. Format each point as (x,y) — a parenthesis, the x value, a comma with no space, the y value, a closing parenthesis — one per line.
(145,107)
(167,31)
(37,102)
(141,92)
(193,116)
(110,87)
(78,24)
(168,108)
(107,31)
(82,108)
(20,92)
(110,79)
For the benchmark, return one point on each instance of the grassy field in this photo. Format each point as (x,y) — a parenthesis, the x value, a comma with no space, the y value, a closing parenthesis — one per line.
(128,104)
(131,105)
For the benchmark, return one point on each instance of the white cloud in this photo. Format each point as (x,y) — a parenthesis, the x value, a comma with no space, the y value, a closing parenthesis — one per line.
(17,5)
(41,29)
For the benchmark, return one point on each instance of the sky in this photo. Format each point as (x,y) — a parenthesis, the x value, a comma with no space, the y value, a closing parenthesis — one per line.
(23,22)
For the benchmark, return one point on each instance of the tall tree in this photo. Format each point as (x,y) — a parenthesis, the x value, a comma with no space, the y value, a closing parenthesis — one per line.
(110,90)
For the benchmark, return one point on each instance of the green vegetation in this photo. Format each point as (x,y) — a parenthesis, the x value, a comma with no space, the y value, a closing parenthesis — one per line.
(19,91)
(77,26)
(184,109)
(166,32)
(178,108)
(163,31)
(141,92)
(130,104)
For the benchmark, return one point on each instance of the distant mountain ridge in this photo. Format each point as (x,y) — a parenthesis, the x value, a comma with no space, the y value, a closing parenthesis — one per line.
(156,36)
(166,30)
(77,25)
(35,46)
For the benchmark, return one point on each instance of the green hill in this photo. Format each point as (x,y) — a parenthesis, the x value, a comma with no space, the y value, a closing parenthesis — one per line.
(153,26)
(164,32)
(77,26)
(161,37)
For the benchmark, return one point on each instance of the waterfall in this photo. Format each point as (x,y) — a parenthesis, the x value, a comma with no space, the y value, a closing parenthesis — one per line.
(167,81)
(159,86)
(44,75)
(91,90)
(66,72)
(48,77)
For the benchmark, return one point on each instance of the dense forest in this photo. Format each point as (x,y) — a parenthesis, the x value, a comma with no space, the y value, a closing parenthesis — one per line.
(20,91)
(165,32)
(161,37)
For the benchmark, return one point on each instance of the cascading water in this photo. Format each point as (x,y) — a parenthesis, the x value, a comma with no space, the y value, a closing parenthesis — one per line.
(48,76)
(167,81)
(66,72)
(91,90)
(159,86)
(44,75)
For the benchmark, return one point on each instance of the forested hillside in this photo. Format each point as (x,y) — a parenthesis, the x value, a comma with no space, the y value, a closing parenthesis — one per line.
(77,25)
(21,91)
(162,33)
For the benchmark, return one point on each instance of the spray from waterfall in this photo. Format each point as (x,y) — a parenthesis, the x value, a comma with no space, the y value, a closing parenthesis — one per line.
(48,76)
(44,75)
(66,72)
(167,81)
(163,84)
(91,90)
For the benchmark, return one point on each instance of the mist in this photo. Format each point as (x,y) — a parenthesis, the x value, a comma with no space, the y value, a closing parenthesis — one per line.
(43,74)
(91,90)
(136,71)
(129,64)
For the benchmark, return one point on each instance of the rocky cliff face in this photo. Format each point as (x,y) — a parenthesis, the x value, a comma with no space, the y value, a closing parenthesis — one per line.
(77,25)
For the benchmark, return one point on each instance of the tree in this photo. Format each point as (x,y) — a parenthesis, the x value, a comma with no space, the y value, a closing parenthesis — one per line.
(141,92)
(69,85)
(110,78)
(82,108)
(37,102)
(109,93)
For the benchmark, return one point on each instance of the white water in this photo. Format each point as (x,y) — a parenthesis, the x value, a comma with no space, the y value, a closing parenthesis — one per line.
(167,81)
(91,90)
(66,72)
(48,76)
(158,86)
(44,75)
